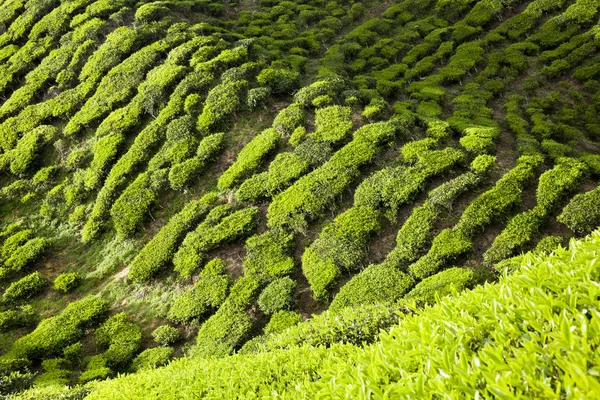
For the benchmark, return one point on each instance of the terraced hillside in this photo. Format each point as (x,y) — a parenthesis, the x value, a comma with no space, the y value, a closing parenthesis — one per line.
(197,177)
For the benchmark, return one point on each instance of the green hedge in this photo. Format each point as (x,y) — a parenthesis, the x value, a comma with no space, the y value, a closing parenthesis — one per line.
(330,86)
(480,139)
(451,281)
(67,282)
(181,174)
(161,249)
(308,197)
(412,237)
(258,96)
(282,320)
(592,161)
(284,169)
(277,296)
(222,101)
(55,333)
(210,234)
(138,153)
(105,152)
(166,335)
(122,339)
(549,244)
(131,208)
(230,326)
(207,294)
(250,158)
(412,151)
(23,316)
(497,202)
(353,325)
(340,247)
(519,231)
(15,238)
(391,187)
(288,119)
(269,254)
(332,124)
(28,148)
(26,254)
(443,196)
(117,86)
(25,288)
(582,214)
(152,358)
(556,183)
(279,80)
(446,247)
(375,284)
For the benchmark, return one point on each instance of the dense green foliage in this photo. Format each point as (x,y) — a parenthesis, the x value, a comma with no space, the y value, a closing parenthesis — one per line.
(67,282)
(262,175)
(53,334)
(493,313)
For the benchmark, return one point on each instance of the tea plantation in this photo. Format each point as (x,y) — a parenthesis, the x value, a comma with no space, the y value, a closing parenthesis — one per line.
(299,199)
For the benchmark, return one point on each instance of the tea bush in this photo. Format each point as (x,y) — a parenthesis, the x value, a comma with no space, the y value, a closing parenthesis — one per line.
(122,339)
(181,174)
(340,247)
(520,230)
(582,214)
(26,254)
(152,358)
(161,249)
(209,234)
(250,158)
(23,316)
(222,101)
(451,281)
(332,124)
(279,80)
(206,295)
(498,201)
(67,282)
(53,334)
(389,188)
(269,254)
(56,372)
(284,169)
(277,296)
(227,329)
(374,285)
(558,182)
(130,209)
(288,119)
(282,320)
(166,335)
(25,288)
(308,197)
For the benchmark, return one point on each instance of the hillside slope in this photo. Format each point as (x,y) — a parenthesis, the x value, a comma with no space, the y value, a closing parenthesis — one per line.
(192,178)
